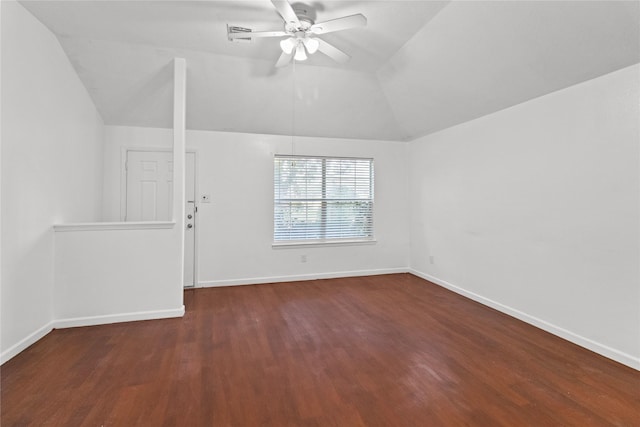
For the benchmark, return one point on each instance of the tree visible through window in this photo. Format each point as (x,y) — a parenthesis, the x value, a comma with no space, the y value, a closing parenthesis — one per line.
(322,199)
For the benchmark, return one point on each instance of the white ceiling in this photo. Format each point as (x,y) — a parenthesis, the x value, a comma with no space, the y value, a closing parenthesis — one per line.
(418,66)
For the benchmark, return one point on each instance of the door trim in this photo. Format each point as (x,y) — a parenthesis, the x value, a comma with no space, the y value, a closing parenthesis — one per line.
(124,150)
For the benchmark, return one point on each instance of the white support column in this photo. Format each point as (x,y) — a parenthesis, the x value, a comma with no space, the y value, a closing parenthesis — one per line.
(179,150)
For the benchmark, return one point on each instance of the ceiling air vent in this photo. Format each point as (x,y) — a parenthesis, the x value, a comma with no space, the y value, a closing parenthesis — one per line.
(234,30)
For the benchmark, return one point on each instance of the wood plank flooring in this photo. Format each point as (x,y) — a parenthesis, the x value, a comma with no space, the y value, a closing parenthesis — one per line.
(390,350)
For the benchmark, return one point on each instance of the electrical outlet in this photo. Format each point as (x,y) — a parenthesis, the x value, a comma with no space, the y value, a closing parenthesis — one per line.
(303,258)
(205,198)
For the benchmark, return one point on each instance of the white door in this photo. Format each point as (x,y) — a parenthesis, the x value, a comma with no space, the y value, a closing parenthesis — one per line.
(150,196)
(149,185)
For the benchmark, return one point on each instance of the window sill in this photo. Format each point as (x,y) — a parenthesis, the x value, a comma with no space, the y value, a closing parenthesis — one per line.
(316,243)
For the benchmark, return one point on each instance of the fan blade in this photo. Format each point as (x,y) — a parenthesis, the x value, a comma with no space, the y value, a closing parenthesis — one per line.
(286,11)
(345,23)
(284,59)
(250,35)
(332,52)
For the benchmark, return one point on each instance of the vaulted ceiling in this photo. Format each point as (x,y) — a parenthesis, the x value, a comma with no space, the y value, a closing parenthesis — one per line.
(417,67)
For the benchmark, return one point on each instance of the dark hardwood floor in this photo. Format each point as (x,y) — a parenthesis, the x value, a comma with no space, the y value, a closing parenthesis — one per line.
(389,350)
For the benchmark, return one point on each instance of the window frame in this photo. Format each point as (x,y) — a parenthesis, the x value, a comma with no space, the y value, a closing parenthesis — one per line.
(325,241)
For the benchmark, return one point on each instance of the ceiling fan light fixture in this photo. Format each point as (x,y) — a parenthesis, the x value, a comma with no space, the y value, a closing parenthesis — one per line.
(301,33)
(287,45)
(312,45)
(301,55)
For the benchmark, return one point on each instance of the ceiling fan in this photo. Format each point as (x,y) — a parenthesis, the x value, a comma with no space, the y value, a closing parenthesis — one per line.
(301,30)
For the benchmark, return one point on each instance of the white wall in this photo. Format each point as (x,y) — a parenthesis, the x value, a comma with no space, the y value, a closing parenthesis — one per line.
(52,139)
(236,229)
(535,210)
(108,275)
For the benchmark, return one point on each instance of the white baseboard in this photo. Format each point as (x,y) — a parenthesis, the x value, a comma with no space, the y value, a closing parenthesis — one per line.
(23,344)
(117,318)
(299,277)
(604,350)
(86,321)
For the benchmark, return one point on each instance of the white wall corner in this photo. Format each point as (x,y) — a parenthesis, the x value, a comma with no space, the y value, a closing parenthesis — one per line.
(27,341)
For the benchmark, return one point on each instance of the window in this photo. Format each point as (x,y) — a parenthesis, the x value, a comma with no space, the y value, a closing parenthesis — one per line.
(322,199)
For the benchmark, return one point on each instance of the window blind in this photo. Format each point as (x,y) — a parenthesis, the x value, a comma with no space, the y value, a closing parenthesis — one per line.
(322,199)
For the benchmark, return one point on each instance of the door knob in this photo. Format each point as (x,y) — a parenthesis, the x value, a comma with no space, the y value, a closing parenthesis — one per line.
(189,216)
(189,225)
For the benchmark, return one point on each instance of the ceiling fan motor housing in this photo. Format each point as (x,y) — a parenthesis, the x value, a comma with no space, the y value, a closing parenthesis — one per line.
(305,15)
